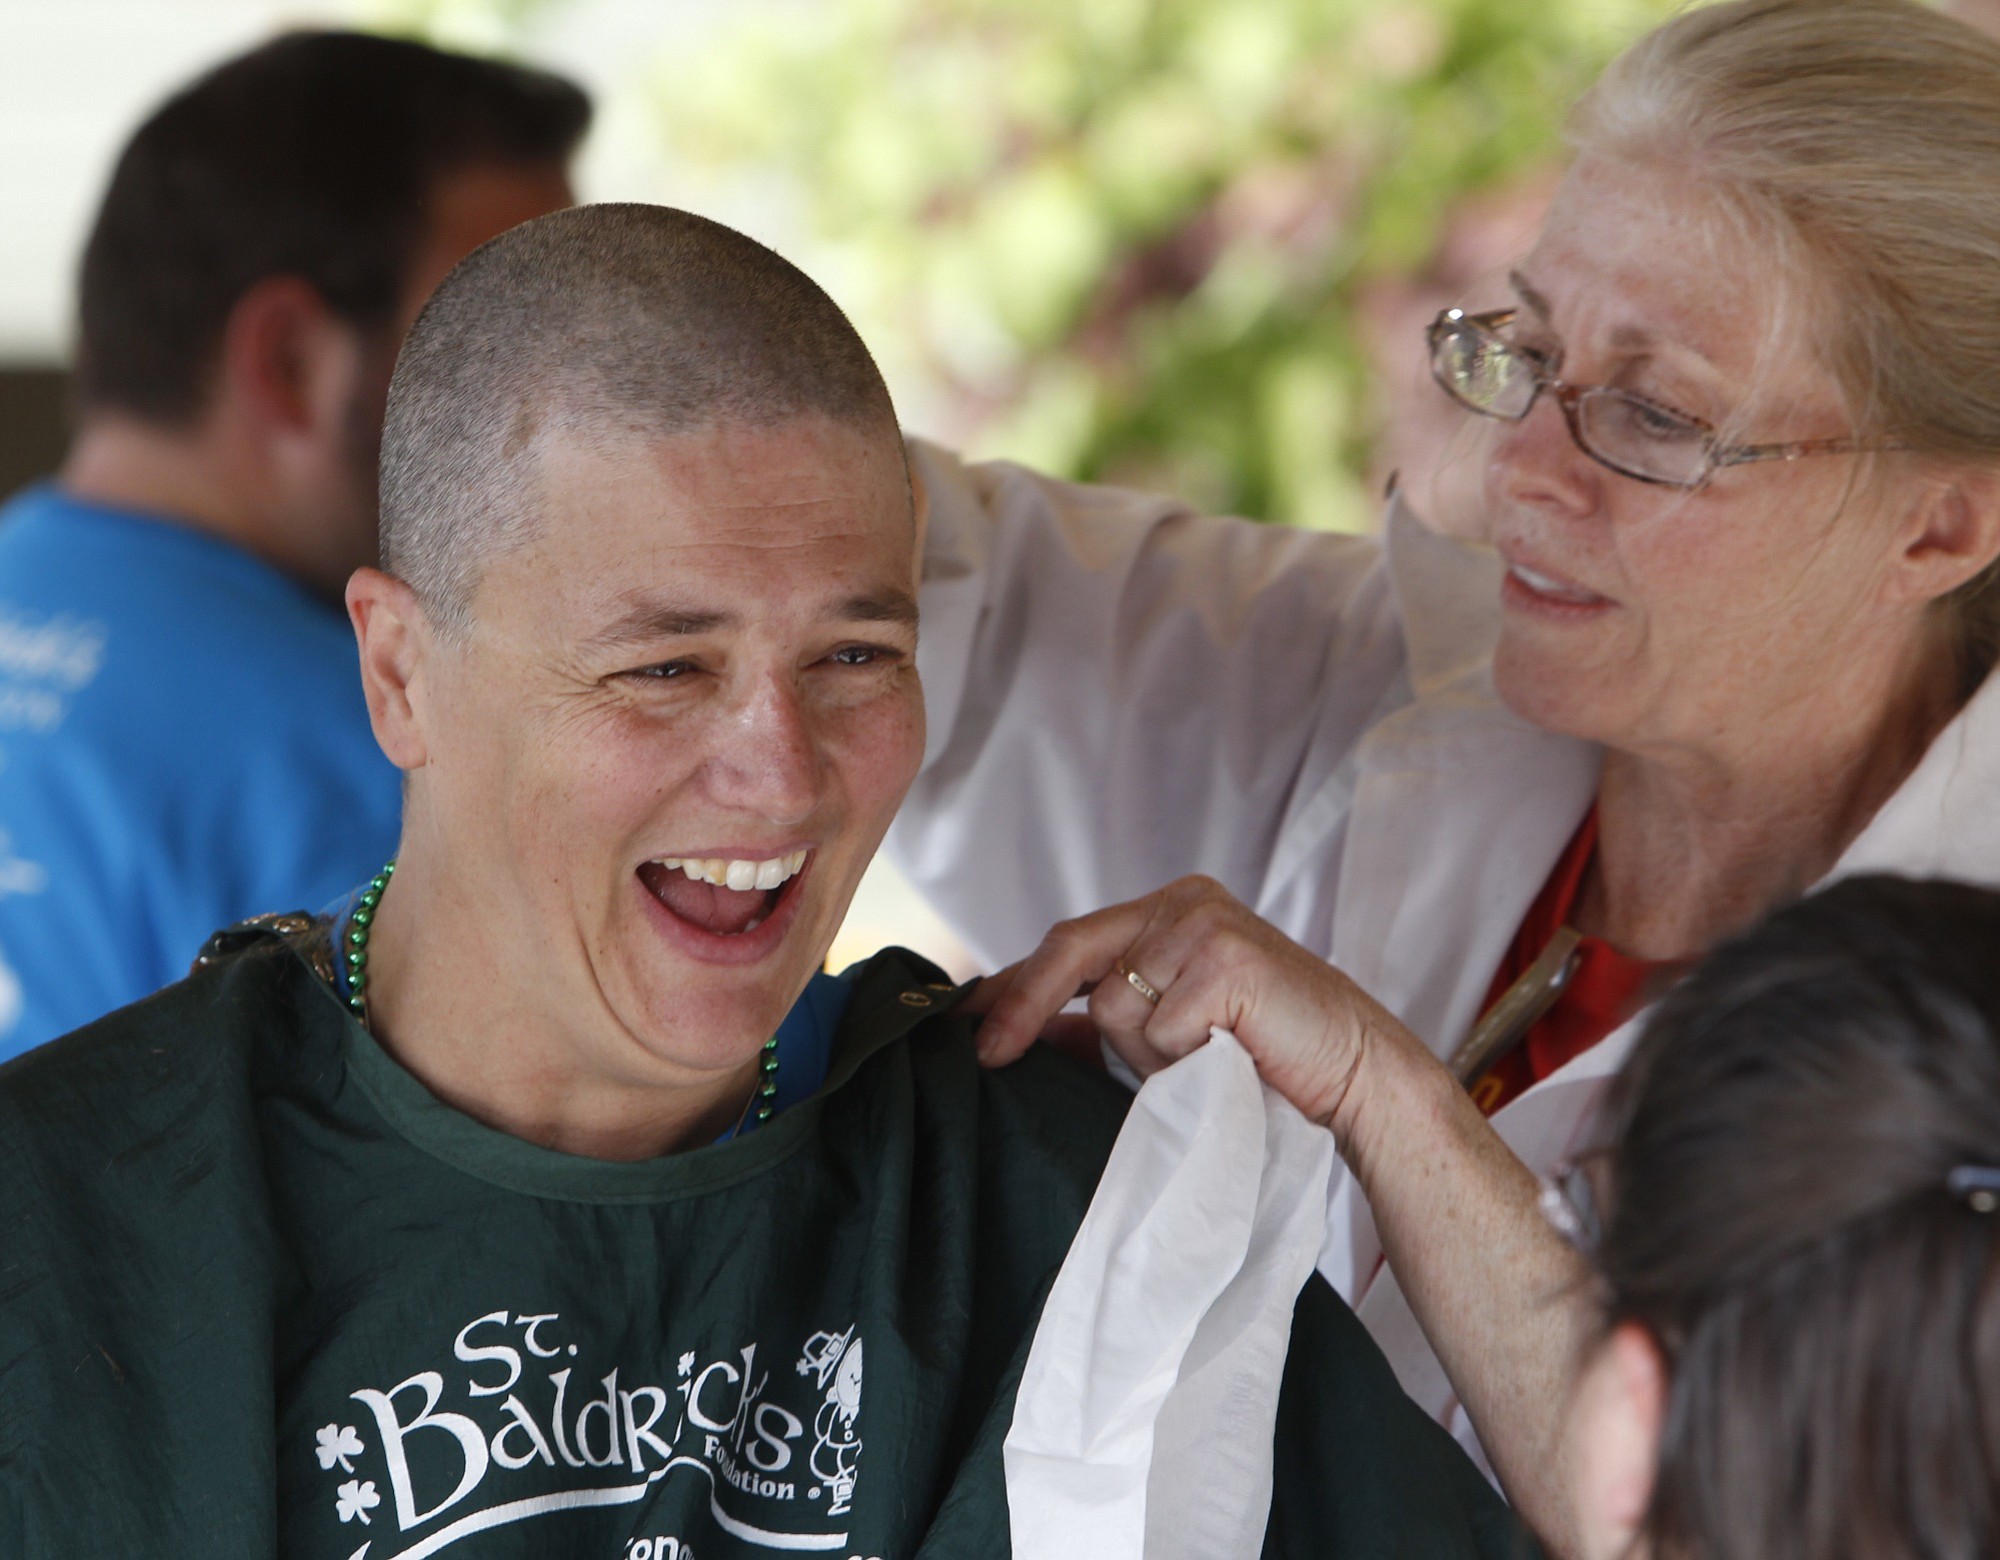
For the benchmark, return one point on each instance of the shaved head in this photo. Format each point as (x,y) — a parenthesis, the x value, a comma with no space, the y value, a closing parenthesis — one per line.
(595,325)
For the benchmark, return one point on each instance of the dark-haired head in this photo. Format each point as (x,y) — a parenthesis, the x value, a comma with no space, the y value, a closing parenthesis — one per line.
(268,236)
(1800,1261)
(317,156)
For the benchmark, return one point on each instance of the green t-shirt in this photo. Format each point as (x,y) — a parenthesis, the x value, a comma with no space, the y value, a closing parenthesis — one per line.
(261,1293)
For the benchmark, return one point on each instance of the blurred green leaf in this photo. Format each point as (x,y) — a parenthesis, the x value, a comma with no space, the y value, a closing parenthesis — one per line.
(1131,239)
(1134,238)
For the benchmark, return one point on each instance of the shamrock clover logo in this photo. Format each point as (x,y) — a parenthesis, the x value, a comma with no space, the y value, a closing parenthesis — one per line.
(337,1444)
(356,1498)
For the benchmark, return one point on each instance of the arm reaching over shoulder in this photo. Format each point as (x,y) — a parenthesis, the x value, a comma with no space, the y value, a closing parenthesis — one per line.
(1213,965)
(1501,1297)
(1120,691)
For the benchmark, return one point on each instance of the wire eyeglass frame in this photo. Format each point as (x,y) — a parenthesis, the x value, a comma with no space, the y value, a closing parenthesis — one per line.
(1448,333)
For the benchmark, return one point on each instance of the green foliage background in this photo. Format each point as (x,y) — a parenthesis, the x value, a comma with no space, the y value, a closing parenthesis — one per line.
(1128,239)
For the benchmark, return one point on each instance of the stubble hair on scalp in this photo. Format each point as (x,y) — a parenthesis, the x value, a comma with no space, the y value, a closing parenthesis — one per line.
(597,324)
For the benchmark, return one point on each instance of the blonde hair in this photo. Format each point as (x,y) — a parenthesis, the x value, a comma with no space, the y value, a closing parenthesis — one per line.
(1864,137)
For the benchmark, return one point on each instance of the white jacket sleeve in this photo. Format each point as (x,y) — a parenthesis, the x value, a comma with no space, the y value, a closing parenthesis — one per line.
(1121,692)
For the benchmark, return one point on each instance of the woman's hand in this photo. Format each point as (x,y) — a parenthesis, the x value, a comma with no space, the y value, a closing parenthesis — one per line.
(1504,1301)
(1213,964)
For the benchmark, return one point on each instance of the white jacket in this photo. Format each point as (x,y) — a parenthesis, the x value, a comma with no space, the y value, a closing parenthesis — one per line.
(1121,692)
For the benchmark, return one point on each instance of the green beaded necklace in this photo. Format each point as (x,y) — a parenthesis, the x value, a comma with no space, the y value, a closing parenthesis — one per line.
(763,1100)
(357,941)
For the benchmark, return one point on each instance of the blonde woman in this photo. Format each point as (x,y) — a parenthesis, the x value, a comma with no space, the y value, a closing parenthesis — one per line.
(1460,816)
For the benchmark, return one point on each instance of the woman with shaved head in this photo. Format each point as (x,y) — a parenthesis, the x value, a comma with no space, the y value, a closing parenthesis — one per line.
(550,1202)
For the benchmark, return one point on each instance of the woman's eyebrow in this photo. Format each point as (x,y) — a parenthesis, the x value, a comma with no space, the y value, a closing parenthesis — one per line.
(1529,294)
(1635,339)
(649,618)
(657,619)
(889,606)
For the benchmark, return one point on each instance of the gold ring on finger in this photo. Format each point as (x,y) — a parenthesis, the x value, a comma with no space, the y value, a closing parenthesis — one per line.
(1139,983)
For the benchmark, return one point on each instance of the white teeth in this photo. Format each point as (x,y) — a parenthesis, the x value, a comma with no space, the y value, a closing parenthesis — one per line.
(1542,584)
(739,875)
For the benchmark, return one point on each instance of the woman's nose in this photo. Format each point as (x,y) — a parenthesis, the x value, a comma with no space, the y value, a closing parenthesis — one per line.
(769,762)
(1536,461)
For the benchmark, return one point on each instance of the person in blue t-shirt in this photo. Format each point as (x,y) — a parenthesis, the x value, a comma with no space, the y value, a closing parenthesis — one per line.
(183,740)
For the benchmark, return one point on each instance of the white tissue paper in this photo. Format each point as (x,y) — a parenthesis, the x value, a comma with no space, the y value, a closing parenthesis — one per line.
(1143,1426)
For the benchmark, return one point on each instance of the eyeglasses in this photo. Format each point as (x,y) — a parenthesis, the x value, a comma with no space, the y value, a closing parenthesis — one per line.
(1636,437)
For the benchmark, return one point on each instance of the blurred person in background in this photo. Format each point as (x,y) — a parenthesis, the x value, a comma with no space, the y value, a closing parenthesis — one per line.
(186,741)
(1798,1346)
(1459,817)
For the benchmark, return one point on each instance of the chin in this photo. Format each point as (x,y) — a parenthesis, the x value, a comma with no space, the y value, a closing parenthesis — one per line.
(1550,691)
(698,1021)
(754,995)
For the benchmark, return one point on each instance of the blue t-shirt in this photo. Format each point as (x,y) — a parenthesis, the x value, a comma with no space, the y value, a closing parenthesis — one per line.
(183,744)
(805,1042)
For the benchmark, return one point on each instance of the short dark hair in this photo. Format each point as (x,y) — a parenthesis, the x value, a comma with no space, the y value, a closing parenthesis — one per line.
(1784,1222)
(594,323)
(311,156)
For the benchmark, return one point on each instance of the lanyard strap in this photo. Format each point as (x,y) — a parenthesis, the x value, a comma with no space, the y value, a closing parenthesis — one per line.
(1508,1021)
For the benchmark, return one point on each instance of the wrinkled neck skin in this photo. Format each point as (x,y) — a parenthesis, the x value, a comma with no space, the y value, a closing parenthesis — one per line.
(1697,841)
(457,1003)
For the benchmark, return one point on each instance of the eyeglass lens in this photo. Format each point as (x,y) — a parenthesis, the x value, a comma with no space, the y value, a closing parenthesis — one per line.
(1638,437)
(1484,372)
(1487,374)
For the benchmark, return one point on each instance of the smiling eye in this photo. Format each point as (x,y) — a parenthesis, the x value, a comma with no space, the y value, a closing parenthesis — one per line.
(1622,418)
(862,655)
(1523,340)
(1543,357)
(661,671)
(1656,422)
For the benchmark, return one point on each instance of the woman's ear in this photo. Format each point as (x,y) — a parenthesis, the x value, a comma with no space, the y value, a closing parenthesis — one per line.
(1952,534)
(396,646)
(1614,1441)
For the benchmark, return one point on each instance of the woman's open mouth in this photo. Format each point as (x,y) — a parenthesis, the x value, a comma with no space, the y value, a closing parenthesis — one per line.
(1526,589)
(722,896)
